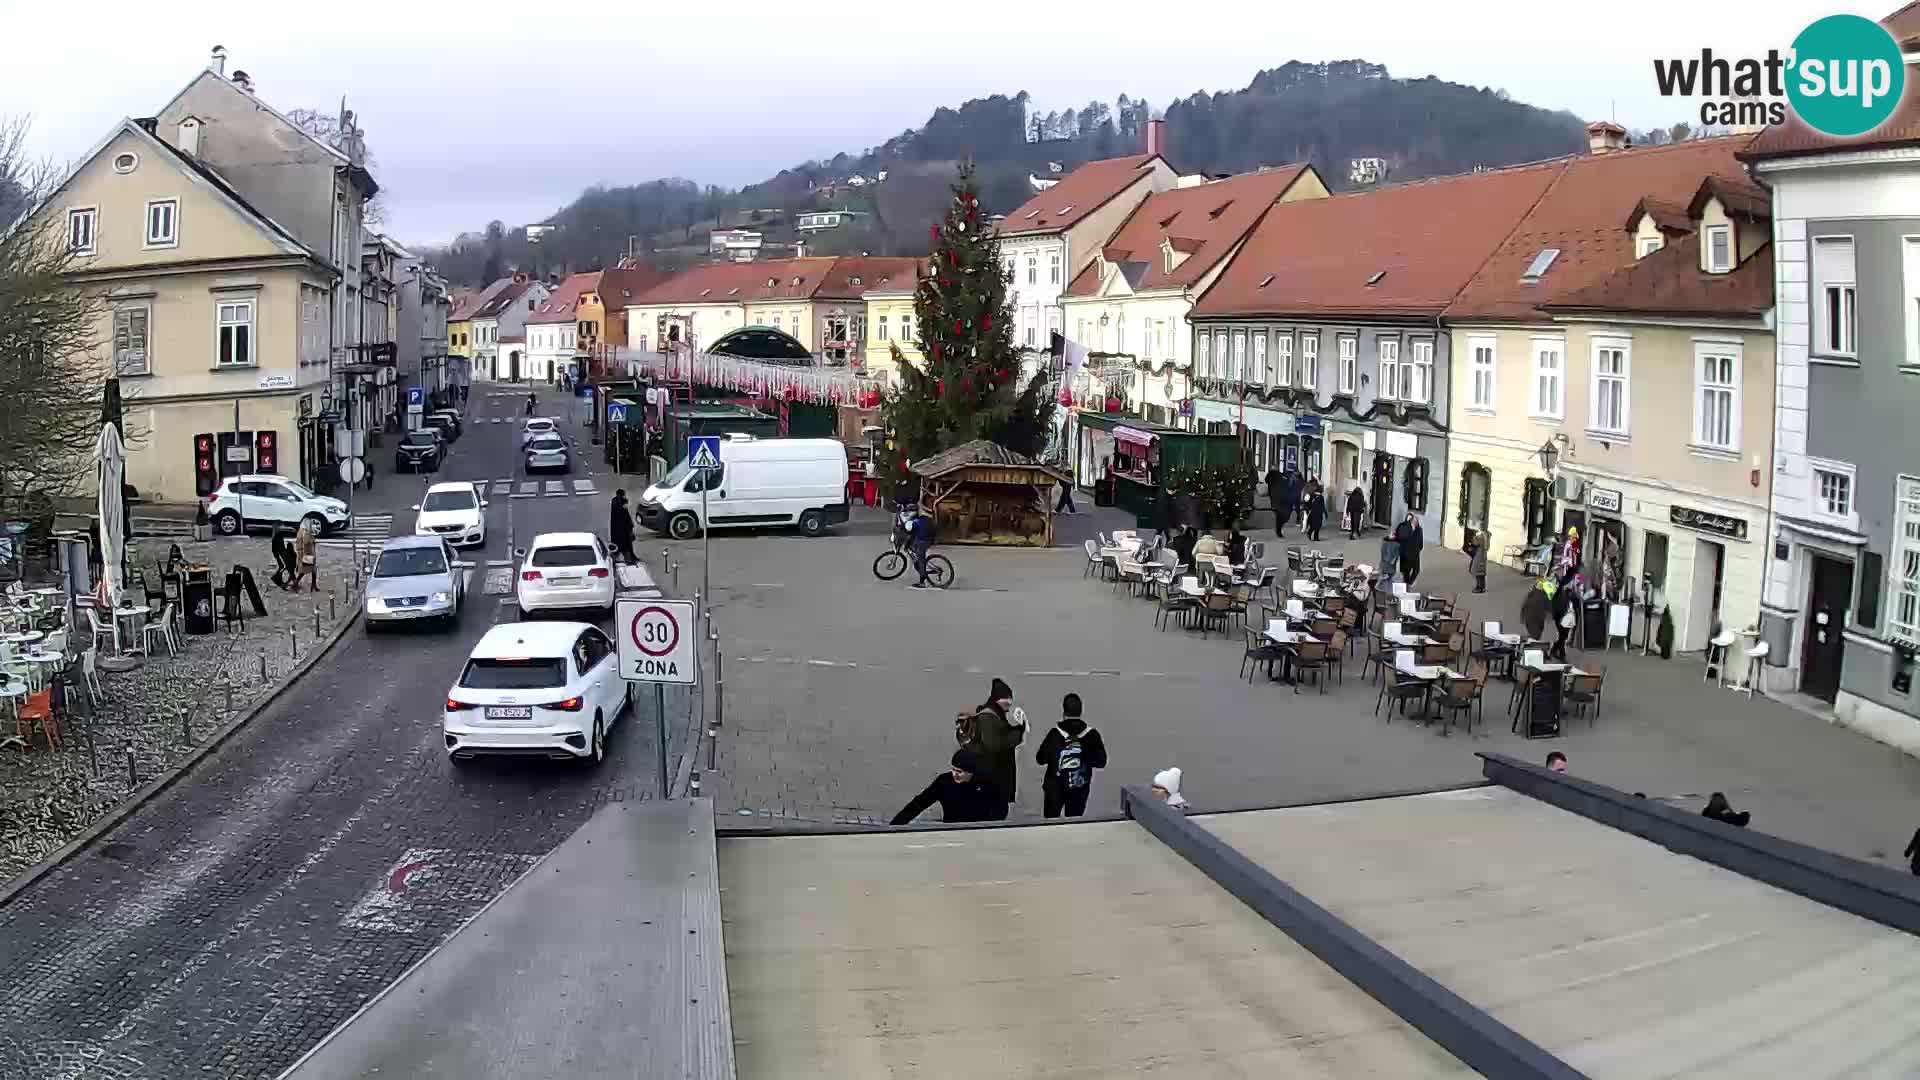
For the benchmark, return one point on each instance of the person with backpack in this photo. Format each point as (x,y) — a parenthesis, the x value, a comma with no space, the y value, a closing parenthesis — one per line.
(993,731)
(1070,753)
(963,792)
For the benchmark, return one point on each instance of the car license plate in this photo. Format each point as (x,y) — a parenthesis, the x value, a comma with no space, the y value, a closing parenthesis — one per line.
(565,581)
(509,712)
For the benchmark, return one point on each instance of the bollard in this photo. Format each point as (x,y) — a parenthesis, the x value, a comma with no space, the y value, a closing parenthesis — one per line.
(333,609)
(674,569)
(316,622)
(133,774)
(263,665)
(186,726)
(228,687)
(293,639)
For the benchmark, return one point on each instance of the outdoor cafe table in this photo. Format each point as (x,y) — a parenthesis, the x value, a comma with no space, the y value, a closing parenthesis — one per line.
(1523,704)
(1278,633)
(1434,675)
(24,637)
(45,664)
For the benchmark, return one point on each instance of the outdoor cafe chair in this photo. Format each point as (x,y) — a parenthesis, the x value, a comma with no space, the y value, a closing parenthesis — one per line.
(1350,628)
(1093,559)
(1173,602)
(1399,688)
(1259,651)
(1463,697)
(162,629)
(1311,656)
(1441,602)
(1583,693)
(1337,655)
(1132,574)
(1215,609)
(110,630)
(1322,628)
(1240,599)
(1295,561)
(1438,652)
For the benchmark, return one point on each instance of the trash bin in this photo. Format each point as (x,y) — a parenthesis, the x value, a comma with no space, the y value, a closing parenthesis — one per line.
(197,597)
(1593,624)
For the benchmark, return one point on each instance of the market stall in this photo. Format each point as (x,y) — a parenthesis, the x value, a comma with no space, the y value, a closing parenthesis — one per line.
(1130,464)
(982,493)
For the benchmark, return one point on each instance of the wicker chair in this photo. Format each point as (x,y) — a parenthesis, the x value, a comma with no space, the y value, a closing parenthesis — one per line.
(1337,655)
(1259,651)
(1215,608)
(1583,694)
(1311,656)
(1464,697)
(1172,602)
(1400,688)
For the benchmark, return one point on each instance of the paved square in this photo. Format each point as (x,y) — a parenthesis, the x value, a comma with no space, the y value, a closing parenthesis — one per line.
(841,691)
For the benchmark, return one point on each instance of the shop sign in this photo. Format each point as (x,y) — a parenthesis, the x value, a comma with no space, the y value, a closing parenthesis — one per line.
(1308,425)
(1607,499)
(1706,521)
(306,406)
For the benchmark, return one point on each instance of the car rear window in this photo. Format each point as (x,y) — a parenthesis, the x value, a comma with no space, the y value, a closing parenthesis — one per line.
(526,673)
(420,438)
(408,562)
(565,555)
(539,425)
(449,500)
(548,443)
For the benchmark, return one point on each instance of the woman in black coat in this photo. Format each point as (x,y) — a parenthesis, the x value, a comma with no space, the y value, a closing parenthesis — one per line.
(1316,510)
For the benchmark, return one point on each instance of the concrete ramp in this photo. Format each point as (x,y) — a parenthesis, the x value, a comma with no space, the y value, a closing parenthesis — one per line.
(1618,956)
(1080,950)
(604,961)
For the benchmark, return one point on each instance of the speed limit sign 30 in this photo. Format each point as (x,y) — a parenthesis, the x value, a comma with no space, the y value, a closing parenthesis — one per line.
(657,640)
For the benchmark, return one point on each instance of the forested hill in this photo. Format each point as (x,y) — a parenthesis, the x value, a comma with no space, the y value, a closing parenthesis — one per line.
(1329,114)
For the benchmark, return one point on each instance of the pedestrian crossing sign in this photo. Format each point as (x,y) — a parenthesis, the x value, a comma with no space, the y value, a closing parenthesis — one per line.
(703,451)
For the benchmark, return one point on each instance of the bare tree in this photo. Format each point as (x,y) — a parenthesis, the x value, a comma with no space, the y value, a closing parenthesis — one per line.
(327,129)
(52,372)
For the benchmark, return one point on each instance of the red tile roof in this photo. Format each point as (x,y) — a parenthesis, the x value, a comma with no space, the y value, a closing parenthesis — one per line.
(620,285)
(499,301)
(1670,282)
(1205,222)
(561,302)
(1078,194)
(1580,215)
(1900,129)
(791,279)
(474,301)
(1425,238)
(1667,217)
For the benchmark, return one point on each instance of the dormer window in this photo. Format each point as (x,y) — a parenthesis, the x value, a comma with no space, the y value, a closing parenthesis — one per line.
(854,280)
(1378,275)
(1647,245)
(772,282)
(1214,215)
(1266,281)
(1719,253)
(1067,209)
(1031,214)
(1538,268)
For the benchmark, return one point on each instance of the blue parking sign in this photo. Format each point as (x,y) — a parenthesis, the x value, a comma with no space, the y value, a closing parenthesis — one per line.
(416,395)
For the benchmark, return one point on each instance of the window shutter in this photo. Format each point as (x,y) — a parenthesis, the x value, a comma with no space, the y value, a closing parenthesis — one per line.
(1866,612)
(1415,485)
(1463,494)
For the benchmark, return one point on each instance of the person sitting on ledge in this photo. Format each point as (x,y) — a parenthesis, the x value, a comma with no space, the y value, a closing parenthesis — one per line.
(1719,810)
(1557,761)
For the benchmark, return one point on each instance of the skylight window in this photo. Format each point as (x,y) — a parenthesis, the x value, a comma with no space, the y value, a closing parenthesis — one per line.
(1067,209)
(1375,279)
(733,292)
(1538,267)
(1218,210)
(1266,281)
(1168,223)
(1033,213)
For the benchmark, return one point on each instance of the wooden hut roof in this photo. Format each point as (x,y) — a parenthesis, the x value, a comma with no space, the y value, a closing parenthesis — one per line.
(977,453)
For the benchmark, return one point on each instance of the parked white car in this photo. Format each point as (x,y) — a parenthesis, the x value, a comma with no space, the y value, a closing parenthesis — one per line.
(262,500)
(456,512)
(535,427)
(566,572)
(544,689)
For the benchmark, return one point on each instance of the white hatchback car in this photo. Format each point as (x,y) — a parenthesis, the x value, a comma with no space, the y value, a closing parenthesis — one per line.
(542,689)
(261,500)
(566,571)
(535,427)
(456,512)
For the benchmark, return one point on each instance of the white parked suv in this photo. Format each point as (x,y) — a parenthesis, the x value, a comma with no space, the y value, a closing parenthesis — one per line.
(260,500)
(566,571)
(454,512)
(542,689)
(535,427)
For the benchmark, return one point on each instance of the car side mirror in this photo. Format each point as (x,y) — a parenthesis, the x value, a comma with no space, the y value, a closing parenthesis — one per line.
(416,507)
(484,504)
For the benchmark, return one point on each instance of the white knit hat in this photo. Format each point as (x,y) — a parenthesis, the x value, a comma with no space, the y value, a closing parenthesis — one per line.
(1169,779)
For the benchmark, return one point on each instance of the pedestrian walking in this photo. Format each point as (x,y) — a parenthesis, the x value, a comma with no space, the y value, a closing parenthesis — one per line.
(285,563)
(530,402)
(1316,510)
(1411,539)
(1289,497)
(305,545)
(1275,482)
(1913,853)
(1477,558)
(1070,753)
(1564,607)
(1065,505)
(1537,609)
(993,731)
(963,792)
(1356,511)
(620,528)
(368,462)
(1166,788)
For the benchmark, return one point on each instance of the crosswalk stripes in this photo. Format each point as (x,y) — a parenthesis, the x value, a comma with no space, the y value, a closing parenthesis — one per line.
(528,489)
(555,487)
(584,487)
(552,489)
(367,529)
(502,487)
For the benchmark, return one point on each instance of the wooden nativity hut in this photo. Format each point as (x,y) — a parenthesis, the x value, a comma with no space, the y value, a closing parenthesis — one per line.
(983,493)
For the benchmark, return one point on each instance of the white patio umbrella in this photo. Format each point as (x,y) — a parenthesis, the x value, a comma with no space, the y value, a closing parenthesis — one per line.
(111,456)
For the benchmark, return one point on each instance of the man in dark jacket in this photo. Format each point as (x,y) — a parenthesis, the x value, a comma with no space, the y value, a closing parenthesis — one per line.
(1316,509)
(1275,485)
(621,527)
(1289,495)
(1564,603)
(997,732)
(1070,753)
(1183,545)
(963,792)
(1356,510)
(1411,539)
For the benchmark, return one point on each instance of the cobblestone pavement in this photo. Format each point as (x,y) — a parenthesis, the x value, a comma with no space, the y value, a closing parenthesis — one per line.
(157,714)
(840,694)
(229,924)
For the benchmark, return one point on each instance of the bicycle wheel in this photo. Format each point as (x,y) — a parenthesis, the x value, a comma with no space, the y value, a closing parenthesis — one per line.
(939,571)
(890,565)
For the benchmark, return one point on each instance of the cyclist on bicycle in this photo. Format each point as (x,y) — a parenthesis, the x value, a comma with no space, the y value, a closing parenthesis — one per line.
(920,538)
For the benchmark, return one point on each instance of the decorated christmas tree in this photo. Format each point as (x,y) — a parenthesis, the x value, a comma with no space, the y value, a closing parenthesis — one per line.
(967,388)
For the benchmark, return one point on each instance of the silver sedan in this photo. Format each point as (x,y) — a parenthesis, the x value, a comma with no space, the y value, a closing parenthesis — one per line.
(548,452)
(415,579)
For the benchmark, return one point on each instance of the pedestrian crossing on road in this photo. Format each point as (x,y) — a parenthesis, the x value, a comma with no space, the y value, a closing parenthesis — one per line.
(551,489)
(367,530)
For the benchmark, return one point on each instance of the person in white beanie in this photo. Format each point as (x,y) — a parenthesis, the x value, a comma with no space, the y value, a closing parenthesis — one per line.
(1166,788)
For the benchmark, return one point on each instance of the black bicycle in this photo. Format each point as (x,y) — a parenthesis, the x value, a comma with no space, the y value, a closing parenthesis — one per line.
(894,561)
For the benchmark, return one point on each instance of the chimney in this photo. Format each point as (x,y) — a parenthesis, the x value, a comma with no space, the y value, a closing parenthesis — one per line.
(243,80)
(1605,137)
(219,64)
(189,141)
(799,249)
(1156,137)
(519,277)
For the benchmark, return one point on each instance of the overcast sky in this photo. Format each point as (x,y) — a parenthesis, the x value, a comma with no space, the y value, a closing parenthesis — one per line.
(474,115)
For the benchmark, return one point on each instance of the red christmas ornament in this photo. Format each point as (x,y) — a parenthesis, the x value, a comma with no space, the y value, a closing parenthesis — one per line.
(1003,374)
(940,387)
(944,283)
(986,321)
(935,230)
(956,326)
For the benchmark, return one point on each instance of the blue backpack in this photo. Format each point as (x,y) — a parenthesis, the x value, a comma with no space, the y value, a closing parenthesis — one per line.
(1071,765)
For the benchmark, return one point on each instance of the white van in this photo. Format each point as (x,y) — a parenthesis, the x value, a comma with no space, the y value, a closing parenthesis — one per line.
(760,482)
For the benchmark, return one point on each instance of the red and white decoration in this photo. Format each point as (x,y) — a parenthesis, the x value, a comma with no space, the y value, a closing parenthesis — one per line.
(776,382)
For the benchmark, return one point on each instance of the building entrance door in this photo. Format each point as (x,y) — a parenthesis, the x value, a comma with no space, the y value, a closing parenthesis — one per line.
(1380,502)
(1823,646)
